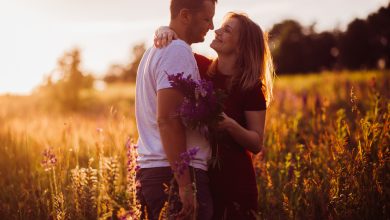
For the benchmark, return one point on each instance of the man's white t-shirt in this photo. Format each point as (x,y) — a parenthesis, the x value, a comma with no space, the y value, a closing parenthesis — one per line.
(177,57)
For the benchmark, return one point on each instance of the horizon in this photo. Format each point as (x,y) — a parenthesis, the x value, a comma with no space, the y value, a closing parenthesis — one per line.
(40,31)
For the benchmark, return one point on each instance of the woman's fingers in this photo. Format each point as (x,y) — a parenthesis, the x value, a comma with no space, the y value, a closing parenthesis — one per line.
(159,39)
(222,123)
(164,36)
(170,38)
(156,42)
(164,39)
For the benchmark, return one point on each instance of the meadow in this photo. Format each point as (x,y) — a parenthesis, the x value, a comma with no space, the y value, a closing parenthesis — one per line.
(326,153)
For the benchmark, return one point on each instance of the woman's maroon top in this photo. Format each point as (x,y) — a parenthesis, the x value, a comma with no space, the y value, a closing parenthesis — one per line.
(233,184)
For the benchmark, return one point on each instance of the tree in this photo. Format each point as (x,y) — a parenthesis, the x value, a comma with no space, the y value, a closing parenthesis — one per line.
(355,45)
(289,47)
(379,23)
(365,44)
(127,72)
(114,73)
(130,72)
(70,81)
(324,52)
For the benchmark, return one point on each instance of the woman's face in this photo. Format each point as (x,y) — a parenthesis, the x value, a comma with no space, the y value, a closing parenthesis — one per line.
(226,37)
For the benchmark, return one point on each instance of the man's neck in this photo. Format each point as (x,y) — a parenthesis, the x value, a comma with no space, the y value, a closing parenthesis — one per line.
(180,31)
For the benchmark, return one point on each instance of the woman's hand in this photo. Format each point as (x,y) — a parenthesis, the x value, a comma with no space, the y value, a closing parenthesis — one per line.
(227,123)
(164,36)
(250,137)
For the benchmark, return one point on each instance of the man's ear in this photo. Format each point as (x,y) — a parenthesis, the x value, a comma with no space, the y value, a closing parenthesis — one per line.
(185,16)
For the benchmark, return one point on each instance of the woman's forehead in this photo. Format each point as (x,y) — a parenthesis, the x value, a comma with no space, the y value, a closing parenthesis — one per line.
(231,21)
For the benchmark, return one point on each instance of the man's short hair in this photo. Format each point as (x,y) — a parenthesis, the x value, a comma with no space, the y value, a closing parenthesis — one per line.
(193,5)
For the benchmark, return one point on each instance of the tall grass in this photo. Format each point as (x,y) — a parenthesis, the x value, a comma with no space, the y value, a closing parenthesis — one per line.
(326,153)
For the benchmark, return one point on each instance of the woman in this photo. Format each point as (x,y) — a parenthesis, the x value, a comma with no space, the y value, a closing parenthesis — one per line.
(244,70)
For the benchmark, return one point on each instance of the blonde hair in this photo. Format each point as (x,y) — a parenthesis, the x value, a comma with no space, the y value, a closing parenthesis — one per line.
(254,59)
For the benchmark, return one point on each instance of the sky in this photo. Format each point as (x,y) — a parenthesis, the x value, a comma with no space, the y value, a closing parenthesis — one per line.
(35,33)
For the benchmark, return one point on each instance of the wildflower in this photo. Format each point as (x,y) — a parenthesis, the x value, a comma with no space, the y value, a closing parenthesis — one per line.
(202,105)
(353,100)
(132,184)
(121,213)
(185,85)
(372,82)
(317,103)
(131,156)
(128,143)
(49,159)
(304,99)
(185,160)
(126,215)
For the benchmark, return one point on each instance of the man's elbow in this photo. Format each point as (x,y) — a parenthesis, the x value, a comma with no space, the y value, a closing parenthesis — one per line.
(162,122)
(165,122)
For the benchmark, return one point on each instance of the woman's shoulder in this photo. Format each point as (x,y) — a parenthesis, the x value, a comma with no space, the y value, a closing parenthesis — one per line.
(203,63)
(202,59)
(254,98)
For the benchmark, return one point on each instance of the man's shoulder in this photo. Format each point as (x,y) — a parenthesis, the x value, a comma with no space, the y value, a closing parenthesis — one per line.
(176,51)
(178,46)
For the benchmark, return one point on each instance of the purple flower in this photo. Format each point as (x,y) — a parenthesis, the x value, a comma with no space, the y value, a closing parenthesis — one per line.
(126,215)
(185,85)
(131,158)
(49,159)
(202,105)
(185,160)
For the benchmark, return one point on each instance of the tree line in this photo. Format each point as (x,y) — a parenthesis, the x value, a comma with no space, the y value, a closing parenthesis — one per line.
(365,44)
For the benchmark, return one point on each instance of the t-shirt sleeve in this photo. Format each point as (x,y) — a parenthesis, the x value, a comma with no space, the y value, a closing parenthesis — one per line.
(176,59)
(254,99)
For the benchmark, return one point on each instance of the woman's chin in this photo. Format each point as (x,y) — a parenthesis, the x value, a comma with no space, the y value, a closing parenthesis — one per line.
(213,46)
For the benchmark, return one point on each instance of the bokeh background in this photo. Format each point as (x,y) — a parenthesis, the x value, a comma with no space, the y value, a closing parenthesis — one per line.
(35,33)
(67,125)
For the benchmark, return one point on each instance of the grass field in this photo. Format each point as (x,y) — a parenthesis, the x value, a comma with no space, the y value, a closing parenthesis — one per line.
(326,153)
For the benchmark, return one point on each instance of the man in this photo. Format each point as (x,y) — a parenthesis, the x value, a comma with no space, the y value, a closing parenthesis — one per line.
(162,136)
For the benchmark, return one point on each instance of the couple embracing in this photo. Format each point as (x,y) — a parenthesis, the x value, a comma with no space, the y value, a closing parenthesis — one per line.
(243,69)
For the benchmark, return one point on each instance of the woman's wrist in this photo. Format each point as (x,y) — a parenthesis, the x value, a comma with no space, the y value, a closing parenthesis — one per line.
(234,126)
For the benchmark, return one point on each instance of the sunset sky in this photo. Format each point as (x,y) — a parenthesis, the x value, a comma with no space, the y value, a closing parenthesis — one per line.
(34,33)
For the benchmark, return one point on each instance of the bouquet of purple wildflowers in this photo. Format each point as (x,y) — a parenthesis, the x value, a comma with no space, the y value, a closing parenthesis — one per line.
(202,106)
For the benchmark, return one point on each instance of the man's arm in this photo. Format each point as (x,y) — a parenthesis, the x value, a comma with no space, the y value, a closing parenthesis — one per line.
(173,138)
(172,130)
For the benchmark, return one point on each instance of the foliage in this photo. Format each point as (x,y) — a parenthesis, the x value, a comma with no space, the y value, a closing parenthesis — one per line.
(364,44)
(65,90)
(127,72)
(326,154)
